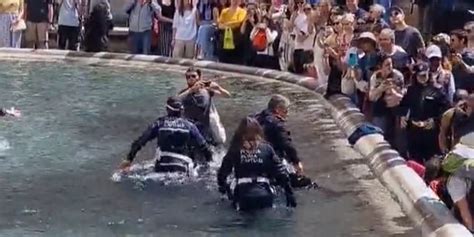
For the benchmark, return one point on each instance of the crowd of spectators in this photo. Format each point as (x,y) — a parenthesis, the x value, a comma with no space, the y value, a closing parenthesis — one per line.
(415,86)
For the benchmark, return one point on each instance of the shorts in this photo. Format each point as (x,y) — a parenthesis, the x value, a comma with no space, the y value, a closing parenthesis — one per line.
(36,32)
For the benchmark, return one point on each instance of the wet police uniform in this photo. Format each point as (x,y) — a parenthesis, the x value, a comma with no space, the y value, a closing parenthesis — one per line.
(196,108)
(278,136)
(174,135)
(253,171)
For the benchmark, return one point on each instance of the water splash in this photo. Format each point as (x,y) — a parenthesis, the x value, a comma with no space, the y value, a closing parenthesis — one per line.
(4,146)
(143,172)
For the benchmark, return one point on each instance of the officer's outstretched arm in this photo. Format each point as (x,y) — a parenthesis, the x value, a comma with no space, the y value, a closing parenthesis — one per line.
(199,139)
(280,173)
(283,140)
(149,134)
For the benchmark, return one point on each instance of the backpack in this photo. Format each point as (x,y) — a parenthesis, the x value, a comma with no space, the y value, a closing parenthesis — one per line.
(260,41)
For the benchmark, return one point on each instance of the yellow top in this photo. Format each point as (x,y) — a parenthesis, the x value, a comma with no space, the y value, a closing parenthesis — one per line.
(11,6)
(232,19)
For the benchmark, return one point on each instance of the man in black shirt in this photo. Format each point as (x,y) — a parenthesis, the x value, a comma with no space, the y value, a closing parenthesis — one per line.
(39,17)
(407,37)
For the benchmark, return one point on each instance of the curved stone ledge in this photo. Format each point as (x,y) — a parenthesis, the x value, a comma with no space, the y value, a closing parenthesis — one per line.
(415,198)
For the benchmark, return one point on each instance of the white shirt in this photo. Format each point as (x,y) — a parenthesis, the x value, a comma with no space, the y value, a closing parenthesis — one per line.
(68,13)
(458,188)
(302,25)
(186,25)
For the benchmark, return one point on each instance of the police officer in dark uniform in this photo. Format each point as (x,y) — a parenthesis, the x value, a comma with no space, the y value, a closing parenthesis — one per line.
(174,135)
(273,121)
(197,101)
(254,164)
(421,110)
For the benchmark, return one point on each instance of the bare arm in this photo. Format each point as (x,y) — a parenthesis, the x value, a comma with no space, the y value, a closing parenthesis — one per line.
(215,15)
(50,13)
(219,90)
(466,215)
(21,10)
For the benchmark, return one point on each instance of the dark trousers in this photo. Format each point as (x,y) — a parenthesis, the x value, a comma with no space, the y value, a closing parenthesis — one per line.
(266,61)
(68,35)
(253,196)
(300,58)
(422,144)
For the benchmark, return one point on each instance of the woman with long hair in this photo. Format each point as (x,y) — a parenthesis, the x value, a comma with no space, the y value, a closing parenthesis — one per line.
(185,22)
(386,92)
(97,27)
(255,165)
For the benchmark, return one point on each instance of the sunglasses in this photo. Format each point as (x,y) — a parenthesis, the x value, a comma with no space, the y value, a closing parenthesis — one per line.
(307,9)
(191,76)
(395,14)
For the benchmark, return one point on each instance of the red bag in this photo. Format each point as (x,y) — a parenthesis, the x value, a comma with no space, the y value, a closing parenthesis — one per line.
(260,41)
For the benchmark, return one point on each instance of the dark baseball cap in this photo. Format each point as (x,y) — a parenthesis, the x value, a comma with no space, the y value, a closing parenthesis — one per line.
(396,9)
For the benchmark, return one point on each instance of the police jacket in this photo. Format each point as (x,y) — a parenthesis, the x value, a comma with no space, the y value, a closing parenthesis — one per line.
(421,103)
(174,135)
(261,162)
(278,136)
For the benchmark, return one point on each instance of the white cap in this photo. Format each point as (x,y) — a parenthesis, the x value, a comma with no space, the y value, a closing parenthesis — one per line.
(368,35)
(433,51)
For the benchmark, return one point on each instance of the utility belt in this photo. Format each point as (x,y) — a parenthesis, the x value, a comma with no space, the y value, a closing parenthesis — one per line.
(171,159)
(253,180)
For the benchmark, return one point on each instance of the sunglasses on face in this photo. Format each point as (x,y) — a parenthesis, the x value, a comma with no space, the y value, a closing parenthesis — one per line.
(191,76)
(395,14)
(307,9)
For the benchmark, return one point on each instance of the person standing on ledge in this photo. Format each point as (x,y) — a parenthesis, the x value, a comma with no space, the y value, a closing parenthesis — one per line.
(273,121)
(39,19)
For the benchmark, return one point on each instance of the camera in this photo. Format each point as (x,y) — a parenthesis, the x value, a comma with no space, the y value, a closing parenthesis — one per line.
(207,83)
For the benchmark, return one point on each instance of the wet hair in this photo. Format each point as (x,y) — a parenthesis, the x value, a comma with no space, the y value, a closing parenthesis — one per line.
(193,69)
(461,35)
(247,136)
(278,101)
